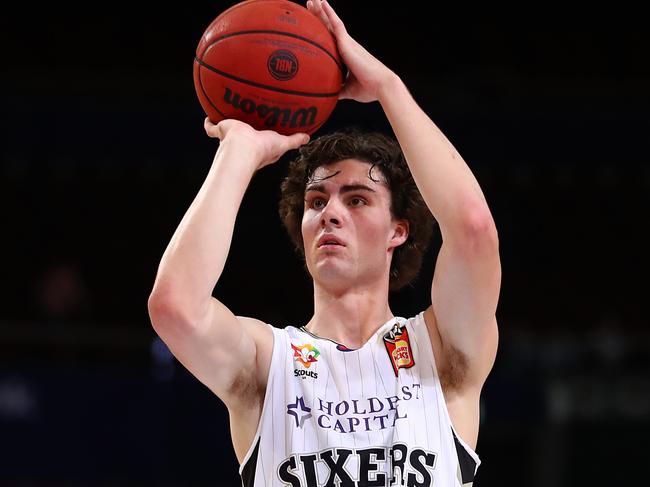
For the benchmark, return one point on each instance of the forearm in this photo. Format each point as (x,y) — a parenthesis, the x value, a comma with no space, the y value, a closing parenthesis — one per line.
(197,252)
(446,183)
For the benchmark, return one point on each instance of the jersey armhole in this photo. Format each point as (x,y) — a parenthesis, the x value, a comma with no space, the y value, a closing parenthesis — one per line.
(278,342)
(423,332)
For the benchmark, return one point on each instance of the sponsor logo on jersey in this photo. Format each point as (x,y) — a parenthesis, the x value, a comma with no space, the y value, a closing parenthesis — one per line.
(303,374)
(305,354)
(406,466)
(399,348)
(355,414)
(299,411)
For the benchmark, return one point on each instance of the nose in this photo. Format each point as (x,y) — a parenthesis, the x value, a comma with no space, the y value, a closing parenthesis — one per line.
(331,214)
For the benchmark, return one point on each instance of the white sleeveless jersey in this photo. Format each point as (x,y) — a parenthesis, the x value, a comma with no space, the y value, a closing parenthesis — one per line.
(375,416)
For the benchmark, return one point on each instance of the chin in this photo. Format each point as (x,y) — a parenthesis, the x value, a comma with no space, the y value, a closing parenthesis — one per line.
(331,274)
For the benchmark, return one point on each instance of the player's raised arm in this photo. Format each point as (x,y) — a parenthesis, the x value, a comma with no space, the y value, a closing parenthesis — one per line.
(215,345)
(467,279)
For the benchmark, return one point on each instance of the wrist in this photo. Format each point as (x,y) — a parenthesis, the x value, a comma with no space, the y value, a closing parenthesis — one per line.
(237,155)
(389,87)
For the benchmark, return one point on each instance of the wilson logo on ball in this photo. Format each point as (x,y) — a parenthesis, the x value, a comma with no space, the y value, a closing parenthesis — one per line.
(272,116)
(283,65)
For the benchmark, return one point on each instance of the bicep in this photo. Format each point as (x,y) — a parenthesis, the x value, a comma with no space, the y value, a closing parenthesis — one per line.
(464,296)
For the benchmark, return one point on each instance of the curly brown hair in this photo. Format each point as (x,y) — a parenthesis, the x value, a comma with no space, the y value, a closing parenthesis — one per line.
(379,151)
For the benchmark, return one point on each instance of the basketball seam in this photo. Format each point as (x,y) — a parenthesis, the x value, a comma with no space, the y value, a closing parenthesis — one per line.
(208,97)
(267,87)
(279,32)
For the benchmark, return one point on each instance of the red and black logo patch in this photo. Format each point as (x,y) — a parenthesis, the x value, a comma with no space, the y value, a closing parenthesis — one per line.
(399,348)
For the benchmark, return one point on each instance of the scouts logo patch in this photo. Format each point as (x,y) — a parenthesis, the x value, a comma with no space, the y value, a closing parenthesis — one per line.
(399,348)
(305,354)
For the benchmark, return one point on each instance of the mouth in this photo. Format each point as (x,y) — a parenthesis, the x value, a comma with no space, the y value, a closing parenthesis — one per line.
(329,242)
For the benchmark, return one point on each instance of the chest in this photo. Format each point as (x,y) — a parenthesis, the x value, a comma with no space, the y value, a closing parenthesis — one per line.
(356,391)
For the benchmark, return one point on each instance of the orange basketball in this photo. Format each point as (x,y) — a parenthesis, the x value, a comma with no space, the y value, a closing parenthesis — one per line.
(271,64)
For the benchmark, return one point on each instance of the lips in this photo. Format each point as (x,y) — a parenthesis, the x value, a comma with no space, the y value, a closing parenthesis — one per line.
(329,240)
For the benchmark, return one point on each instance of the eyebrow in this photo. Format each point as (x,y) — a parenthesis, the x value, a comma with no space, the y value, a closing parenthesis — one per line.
(347,188)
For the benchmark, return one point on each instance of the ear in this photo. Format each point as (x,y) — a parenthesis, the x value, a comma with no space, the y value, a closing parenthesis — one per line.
(400,233)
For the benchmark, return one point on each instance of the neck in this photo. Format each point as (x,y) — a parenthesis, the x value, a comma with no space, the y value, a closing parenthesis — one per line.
(350,316)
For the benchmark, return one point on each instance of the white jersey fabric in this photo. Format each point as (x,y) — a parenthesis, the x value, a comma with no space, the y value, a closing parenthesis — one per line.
(375,416)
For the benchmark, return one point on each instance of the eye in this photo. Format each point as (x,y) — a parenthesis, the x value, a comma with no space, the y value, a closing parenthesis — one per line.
(316,203)
(356,201)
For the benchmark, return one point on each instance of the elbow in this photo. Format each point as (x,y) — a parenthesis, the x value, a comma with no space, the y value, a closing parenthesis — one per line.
(158,306)
(481,226)
(168,314)
(478,231)
(161,311)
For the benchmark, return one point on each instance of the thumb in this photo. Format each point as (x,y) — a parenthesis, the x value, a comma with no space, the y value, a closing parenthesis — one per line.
(298,139)
(348,86)
(222,128)
(344,94)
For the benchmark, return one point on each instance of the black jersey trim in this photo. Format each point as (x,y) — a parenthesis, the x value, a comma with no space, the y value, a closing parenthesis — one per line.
(248,472)
(339,346)
(465,461)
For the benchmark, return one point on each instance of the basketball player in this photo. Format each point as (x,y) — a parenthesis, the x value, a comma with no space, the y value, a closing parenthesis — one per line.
(357,396)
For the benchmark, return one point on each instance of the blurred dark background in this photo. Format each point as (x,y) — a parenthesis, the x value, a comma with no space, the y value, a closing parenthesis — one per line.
(103,150)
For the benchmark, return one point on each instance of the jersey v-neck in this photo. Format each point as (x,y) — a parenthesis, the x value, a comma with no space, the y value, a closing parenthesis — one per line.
(342,348)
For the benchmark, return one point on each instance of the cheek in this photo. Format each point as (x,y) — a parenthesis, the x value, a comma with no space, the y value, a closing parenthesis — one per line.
(307,227)
(373,234)
(305,222)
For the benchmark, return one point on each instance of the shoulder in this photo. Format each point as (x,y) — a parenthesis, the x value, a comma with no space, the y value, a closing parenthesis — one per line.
(259,331)
(266,335)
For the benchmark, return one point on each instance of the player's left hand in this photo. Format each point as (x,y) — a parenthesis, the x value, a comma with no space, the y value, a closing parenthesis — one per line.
(267,145)
(367,75)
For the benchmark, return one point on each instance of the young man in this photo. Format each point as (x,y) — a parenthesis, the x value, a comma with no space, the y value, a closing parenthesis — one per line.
(357,396)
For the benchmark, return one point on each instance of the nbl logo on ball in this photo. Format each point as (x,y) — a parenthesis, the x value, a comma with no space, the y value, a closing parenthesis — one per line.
(283,65)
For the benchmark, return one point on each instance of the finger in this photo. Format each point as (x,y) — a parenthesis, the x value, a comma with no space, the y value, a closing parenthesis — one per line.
(314,6)
(336,24)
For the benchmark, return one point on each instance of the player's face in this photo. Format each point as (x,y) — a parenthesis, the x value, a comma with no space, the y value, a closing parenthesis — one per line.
(347,228)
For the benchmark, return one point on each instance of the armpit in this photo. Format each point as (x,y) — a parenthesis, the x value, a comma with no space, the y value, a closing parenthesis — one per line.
(453,370)
(246,388)
(452,365)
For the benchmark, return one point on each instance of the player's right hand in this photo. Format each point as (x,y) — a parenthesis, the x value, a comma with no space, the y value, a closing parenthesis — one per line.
(268,145)
(368,78)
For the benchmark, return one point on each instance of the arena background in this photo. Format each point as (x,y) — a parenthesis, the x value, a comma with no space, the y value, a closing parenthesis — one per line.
(103,149)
